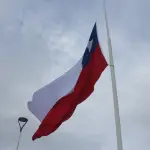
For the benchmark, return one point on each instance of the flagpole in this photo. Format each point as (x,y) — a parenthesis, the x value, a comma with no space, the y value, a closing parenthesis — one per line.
(114,88)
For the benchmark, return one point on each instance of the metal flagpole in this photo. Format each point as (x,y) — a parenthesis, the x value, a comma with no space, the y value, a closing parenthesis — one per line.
(24,120)
(114,88)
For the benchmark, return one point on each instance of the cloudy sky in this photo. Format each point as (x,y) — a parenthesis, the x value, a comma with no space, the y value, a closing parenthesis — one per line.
(42,39)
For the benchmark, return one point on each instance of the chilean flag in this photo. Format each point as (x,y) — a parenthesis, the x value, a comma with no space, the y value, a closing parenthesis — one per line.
(56,102)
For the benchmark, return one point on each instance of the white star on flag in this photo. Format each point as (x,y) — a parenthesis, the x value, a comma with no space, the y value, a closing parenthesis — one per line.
(89,46)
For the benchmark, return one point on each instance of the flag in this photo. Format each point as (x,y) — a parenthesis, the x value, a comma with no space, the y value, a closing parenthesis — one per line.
(56,102)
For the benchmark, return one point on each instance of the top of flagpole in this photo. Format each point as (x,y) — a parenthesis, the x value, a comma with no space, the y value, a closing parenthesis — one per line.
(114,88)
(108,35)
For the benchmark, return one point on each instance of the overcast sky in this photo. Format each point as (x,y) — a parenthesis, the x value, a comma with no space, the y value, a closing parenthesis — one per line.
(42,39)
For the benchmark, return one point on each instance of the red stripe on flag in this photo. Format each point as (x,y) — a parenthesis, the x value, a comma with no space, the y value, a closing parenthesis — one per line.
(66,106)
